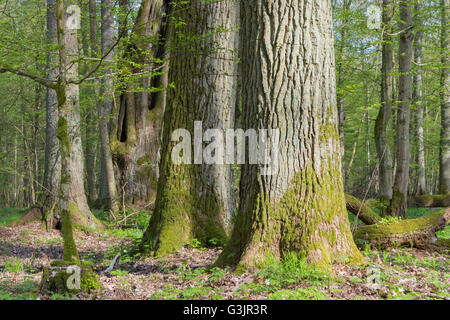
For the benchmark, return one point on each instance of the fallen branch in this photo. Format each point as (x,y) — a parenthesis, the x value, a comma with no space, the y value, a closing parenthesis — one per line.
(414,232)
(361,211)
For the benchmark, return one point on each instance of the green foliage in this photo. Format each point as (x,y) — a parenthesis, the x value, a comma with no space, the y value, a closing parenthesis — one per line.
(311,293)
(390,220)
(8,215)
(14,265)
(119,273)
(291,271)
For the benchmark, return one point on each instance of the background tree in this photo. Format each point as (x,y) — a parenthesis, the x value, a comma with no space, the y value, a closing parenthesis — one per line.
(400,189)
(381,125)
(444,176)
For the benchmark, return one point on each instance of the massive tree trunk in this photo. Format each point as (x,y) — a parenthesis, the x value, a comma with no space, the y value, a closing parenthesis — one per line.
(444,181)
(136,132)
(398,203)
(417,99)
(196,200)
(105,108)
(288,83)
(381,125)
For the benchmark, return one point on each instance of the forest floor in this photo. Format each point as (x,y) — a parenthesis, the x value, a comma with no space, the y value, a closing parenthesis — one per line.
(398,273)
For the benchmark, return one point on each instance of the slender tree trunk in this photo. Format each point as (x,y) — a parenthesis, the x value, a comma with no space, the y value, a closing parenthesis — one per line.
(105,107)
(444,176)
(400,191)
(381,125)
(417,99)
(68,103)
(196,201)
(52,162)
(91,45)
(301,208)
(72,196)
(341,75)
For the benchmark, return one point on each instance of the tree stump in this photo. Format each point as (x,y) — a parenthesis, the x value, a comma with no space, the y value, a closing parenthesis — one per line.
(65,277)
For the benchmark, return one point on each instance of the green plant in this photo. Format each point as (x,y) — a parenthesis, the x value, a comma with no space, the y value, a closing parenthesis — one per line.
(195,244)
(310,293)
(290,270)
(119,273)
(217,274)
(14,265)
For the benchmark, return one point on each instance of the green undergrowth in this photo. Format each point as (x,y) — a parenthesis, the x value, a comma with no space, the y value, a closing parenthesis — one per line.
(9,215)
(281,280)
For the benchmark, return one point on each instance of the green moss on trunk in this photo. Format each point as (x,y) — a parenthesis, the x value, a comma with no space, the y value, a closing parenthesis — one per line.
(70,252)
(310,220)
(397,207)
(181,214)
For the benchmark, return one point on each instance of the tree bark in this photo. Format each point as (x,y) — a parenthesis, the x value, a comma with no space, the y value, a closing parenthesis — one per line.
(68,103)
(91,118)
(398,203)
(417,99)
(196,200)
(136,133)
(106,105)
(52,162)
(444,176)
(381,125)
(72,197)
(341,76)
(288,83)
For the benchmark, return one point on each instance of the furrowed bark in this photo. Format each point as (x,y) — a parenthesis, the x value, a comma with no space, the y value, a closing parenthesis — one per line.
(288,83)
(196,200)
(136,133)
